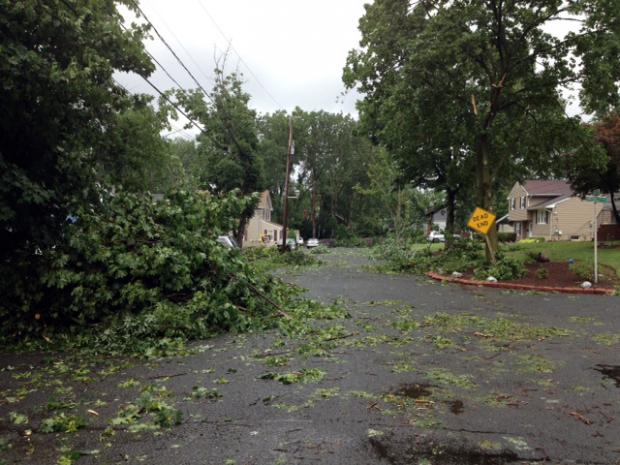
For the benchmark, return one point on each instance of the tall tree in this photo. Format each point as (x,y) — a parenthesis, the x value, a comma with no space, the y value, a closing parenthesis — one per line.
(586,175)
(59,104)
(134,155)
(230,144)
(500,66)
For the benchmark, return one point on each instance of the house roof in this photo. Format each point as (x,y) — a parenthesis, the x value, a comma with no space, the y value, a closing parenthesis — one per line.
(547,188)
(265,201)
(550,203)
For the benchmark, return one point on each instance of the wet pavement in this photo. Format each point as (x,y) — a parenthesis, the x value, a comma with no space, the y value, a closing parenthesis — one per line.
(420,373)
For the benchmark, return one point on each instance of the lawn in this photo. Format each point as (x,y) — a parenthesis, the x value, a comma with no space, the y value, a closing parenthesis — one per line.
(562,251)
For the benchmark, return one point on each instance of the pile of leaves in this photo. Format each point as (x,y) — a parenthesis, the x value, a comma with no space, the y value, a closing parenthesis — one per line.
(131,272)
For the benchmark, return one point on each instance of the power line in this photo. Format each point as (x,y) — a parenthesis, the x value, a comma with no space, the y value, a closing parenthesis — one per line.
(165,97)
(157,62)
(189,55)
(162,94)
(171,50)
(240,57)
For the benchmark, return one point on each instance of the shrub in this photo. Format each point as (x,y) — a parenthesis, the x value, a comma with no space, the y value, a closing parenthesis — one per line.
(532,240)
(583,270)
(506,268)
(152,271)
(507,237)
(542,273)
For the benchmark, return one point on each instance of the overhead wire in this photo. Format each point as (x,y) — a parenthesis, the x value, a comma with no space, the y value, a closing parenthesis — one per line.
(180,43)
(273,99)
(162,67)
(165,42)
(160,92)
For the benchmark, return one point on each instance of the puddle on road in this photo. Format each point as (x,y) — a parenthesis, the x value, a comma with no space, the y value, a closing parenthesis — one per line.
(413,390)
(610,371)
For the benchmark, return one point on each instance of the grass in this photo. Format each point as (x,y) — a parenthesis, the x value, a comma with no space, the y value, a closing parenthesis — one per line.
(563,250)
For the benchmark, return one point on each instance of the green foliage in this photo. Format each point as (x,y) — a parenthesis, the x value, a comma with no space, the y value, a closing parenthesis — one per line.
(152,273)
(62,423)
(453,90)
(584,270)
(150,405)
(60,105)
(506,237)
(270,258)
(532,240)
(403,256)
(304,376)
(506,268)
(542,273)
(228,150)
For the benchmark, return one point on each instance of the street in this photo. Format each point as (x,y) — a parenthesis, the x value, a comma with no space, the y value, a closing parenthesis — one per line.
(420,373)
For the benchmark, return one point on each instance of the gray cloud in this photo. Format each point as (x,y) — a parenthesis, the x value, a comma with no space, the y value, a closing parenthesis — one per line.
(295,49)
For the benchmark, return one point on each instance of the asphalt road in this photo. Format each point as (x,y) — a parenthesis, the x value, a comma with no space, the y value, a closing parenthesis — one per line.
(420,373)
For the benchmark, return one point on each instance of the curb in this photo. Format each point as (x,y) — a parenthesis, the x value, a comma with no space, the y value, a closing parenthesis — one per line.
(521,287)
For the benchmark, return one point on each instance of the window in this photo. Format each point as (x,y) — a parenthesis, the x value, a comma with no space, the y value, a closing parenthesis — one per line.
(542,217)
(513,203)
(522,202)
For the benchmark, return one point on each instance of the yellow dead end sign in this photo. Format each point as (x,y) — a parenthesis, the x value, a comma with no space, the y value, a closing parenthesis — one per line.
(481,221)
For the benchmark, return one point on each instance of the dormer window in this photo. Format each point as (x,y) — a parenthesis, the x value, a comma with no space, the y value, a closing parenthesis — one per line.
(513,203)
(522,203)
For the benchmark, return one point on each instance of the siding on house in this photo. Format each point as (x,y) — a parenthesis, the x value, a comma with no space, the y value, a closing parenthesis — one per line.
(541,230)
(574,218)
(517,214)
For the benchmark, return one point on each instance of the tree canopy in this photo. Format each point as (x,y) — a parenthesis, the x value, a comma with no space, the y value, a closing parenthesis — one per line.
(60,104)
(494,69)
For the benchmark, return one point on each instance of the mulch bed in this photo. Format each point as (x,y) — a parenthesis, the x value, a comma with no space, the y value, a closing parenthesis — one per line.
(559,275)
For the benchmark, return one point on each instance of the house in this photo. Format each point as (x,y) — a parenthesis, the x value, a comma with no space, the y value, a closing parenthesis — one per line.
(436,220)
(504,225)
(260,229)
(550,209)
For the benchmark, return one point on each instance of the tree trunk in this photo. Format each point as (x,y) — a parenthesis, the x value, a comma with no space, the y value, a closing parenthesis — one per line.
(243,221)
(398,217)
(485,193)
(313,213)
(614,208)
(450,213)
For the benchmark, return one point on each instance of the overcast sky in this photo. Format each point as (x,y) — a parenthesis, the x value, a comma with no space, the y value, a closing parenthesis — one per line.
(295,50)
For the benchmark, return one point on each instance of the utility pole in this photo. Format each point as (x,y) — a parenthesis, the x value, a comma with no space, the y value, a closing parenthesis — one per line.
(288,175)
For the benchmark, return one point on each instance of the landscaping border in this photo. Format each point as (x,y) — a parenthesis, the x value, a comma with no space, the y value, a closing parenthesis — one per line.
(521,287)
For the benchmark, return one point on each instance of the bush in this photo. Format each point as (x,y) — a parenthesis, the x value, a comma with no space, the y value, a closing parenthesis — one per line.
(542,273)
(506,268)
(583,270)
(532,240)
(507,237)
(147,270)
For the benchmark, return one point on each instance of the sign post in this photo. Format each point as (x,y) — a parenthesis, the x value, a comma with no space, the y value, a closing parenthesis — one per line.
(595,199)
(482,221)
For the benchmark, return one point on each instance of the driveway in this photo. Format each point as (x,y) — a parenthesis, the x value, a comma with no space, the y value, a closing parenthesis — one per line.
(419,373)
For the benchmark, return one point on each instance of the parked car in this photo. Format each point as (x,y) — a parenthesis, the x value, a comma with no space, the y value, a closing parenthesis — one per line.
(312,242)
(436,236)
(228,242)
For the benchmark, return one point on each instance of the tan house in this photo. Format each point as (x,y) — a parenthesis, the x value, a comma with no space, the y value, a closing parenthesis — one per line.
(550,209)
(261,230)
